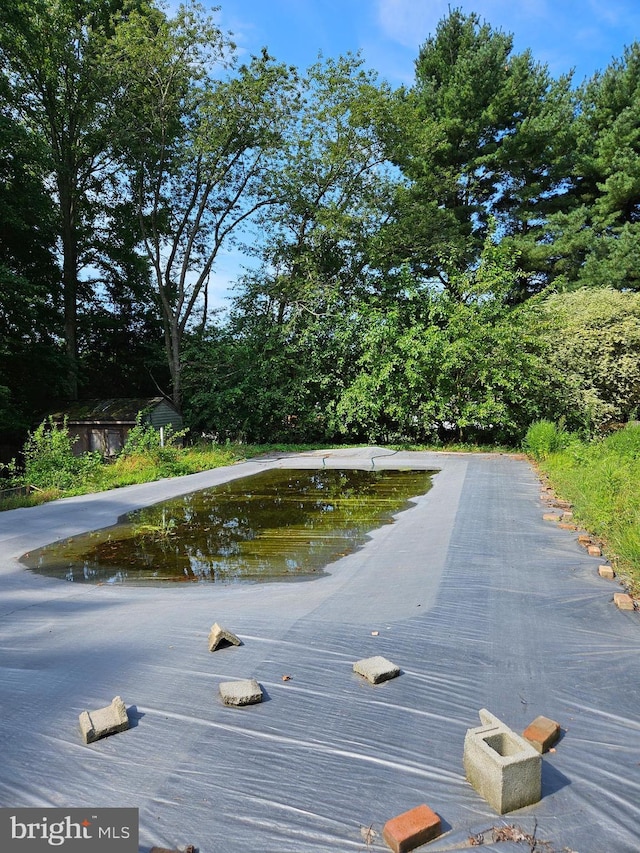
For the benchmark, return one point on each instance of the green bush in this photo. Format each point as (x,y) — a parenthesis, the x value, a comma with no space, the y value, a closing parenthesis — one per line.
(543,438)
(164,453)
(600,478)
(49,461)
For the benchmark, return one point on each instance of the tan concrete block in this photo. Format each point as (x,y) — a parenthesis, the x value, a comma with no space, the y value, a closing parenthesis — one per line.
(606,572)
(220,636)
(623,601)
(246,692)
(105,721)
(411,829)
(550,516)
(376,669)
(594,551)
(188,849)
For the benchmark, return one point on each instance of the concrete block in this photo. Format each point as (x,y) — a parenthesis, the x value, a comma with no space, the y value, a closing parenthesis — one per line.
(542,733)
(594,551)
(606,572)
(584,539)
(219,635)
(550,516)
(503,768)
(376,669)
(623,601)
(411,829)
(105,721)
(188,849)
(247,692)
(567,515)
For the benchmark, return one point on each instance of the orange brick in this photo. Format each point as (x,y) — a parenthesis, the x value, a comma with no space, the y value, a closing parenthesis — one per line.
(623,601)
(542,733)
(411,829)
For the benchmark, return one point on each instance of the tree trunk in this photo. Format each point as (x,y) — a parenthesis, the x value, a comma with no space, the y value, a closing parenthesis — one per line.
(69,283)
(175,365)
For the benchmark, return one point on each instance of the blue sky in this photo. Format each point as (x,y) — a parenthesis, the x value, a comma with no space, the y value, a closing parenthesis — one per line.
(581,34)
(564,34)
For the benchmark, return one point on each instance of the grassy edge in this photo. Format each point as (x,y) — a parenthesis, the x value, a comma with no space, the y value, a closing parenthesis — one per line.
(586,516)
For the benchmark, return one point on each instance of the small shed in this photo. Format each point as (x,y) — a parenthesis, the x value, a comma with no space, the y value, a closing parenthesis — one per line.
(103,425)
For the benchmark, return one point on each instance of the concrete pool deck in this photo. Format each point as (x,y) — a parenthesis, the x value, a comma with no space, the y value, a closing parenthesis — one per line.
(479,601)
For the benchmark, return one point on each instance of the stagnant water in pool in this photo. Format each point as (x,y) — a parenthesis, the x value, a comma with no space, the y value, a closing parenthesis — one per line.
(279,524)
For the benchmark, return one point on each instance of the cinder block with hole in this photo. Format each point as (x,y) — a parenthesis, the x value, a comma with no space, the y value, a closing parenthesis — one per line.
(503,768)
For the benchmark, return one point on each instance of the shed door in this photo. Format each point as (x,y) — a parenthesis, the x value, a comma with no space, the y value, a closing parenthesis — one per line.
(114,442)
(96,441)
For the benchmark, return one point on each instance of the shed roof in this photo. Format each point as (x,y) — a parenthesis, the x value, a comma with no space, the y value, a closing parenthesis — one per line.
(114,410)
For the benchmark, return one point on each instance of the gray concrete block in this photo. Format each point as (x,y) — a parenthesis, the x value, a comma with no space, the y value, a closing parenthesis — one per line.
(376,669)
(105,721)
(188,849)
(503,768)
(219,635)
(247,692)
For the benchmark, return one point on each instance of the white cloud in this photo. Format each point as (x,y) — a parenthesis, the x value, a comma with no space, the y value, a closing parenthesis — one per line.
(411,22)
(408,22)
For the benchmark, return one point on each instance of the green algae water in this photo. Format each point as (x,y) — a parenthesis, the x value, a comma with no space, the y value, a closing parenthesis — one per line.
(277,525)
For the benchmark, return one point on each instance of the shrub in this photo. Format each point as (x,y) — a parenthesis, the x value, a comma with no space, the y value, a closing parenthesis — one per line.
(543,438)
(162,453)
(49,461)
(600,478)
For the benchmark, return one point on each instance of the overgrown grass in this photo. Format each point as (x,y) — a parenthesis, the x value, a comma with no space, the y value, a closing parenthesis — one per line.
(601,478)
(455,447)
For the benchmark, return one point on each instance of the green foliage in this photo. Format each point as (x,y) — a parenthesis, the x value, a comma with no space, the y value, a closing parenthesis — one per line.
(592,240)
(484,135)
(161,453)
(399,235)
(601,479)
(593,338)
(202,148)
(543,438)
(457,362)
(49,461)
